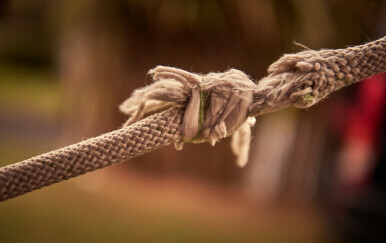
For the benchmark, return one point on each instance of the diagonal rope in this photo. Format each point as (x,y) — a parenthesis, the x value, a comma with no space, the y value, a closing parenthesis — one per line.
(230,101)
(144,136)
(305,78)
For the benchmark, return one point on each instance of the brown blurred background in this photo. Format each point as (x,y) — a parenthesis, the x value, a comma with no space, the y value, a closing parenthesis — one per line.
(65,66)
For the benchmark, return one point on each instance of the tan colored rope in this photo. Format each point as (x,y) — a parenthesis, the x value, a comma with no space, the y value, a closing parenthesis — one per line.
(144,136)
(216,105)
(301,79)
(307,77)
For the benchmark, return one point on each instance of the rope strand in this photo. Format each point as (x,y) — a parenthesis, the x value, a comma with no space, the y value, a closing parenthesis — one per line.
(142,137)
(230,99)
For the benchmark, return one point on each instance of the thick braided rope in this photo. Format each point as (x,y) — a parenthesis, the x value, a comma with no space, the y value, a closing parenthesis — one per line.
(144,136)
(307,77)
(301,79)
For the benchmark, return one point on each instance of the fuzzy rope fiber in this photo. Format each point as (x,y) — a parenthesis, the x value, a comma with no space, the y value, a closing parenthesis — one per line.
(184,107)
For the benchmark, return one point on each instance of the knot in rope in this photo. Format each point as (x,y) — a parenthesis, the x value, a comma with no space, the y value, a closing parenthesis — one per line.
(216,105)
(305,78)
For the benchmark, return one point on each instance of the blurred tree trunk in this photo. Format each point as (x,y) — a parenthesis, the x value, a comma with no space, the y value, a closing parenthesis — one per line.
(93,66)
(106,49)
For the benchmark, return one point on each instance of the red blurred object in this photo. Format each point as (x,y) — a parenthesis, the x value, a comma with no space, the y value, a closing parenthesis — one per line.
(361,131)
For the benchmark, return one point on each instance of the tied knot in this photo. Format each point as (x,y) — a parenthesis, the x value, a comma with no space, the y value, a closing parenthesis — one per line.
(216,105)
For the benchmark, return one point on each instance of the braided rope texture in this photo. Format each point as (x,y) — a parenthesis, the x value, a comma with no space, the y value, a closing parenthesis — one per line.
(305,78)
(301,79)
(144,136)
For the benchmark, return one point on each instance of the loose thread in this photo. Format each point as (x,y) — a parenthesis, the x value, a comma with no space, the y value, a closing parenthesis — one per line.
(201,117)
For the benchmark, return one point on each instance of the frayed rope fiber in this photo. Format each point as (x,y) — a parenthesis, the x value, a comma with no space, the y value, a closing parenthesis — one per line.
(222,104)
(216,105)
(184,107)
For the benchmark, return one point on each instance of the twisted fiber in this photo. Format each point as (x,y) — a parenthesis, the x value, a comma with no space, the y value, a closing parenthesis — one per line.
(216,105)
(301,79)
(305,78)
(144,136)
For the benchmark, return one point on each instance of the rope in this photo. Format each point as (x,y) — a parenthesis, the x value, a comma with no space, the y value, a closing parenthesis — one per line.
(179,101)
(305,78)
(216,105)
(144,136)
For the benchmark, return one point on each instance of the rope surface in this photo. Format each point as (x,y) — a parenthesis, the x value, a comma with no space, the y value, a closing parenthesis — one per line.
(305,78)
(301,79)
(142,137)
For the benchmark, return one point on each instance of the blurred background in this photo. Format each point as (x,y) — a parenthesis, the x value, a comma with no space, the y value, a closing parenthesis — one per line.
(314,175)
